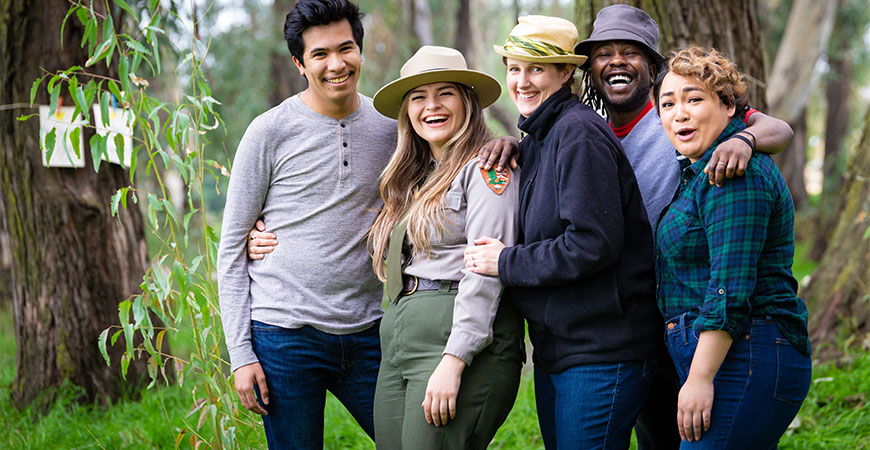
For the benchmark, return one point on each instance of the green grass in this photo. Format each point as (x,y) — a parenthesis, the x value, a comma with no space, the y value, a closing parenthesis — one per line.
(835,415)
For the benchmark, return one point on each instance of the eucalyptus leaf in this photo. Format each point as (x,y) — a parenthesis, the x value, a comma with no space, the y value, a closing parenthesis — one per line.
(34,88)
(50,139)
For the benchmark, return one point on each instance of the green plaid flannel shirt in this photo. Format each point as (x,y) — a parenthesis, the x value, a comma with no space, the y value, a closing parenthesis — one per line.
(725,254)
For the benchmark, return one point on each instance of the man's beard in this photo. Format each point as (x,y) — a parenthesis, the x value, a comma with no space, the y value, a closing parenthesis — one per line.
(638,99)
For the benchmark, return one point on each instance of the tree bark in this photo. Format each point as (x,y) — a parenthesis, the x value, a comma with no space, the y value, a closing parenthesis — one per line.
(71,261)
(793,160)
(837,293)
(731,27)
(5,261)
(286,78)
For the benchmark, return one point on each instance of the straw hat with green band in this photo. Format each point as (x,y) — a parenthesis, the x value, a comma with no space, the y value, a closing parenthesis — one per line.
(542,39)
(434,64)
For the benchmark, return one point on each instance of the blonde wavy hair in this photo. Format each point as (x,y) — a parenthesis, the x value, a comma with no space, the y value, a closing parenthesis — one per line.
(411,188)
(713,69)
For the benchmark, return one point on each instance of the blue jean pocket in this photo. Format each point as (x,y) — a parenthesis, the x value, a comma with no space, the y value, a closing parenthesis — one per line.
(681,343)
(793,374)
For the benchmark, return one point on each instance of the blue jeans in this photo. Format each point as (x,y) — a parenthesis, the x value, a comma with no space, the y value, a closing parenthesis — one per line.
(592,406)
(300,365)
(757,391)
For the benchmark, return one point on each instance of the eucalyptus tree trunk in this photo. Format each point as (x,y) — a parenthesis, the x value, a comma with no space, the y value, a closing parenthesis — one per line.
(837,294)
(838,90)
(71,261)
(806,37)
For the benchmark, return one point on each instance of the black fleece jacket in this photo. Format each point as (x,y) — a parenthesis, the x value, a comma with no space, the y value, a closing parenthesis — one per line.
(583,275)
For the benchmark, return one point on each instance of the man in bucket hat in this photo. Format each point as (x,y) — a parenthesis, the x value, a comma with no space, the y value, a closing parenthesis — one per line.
(618,76)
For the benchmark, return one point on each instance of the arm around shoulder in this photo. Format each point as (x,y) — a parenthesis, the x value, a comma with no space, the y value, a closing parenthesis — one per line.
(772,135)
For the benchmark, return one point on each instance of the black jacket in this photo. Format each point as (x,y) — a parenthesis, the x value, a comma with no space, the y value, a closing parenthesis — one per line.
(583,276)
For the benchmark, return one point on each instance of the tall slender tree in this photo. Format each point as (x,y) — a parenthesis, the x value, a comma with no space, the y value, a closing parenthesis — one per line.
(806,36)
(838,291)
(71,261)
(847,58)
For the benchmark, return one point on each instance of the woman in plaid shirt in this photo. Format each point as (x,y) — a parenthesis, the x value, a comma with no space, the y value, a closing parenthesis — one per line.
(736,330)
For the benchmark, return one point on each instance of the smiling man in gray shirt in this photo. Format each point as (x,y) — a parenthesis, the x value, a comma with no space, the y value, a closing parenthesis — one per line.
(303,320)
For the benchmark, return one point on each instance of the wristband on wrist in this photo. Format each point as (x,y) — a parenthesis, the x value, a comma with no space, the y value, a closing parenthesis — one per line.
(754,141)
(744,139)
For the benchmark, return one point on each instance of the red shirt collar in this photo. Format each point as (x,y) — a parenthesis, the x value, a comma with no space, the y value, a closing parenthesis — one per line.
(623,131)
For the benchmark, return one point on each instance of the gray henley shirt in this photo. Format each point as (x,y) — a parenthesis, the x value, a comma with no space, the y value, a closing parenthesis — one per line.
(315,181)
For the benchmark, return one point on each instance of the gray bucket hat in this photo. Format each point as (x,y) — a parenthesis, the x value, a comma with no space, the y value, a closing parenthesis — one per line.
(623,23)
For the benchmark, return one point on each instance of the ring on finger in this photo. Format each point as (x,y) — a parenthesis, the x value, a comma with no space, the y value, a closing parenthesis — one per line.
(722,163)
(251,236)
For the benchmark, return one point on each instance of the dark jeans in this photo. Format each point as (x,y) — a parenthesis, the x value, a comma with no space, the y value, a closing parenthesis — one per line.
(656,426)
(592,406)
(300,365)
(757,391)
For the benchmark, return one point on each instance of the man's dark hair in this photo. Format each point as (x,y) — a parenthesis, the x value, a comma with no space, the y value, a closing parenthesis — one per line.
(312,13)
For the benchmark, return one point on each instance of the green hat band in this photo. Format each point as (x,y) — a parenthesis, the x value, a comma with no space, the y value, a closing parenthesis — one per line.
(533,47)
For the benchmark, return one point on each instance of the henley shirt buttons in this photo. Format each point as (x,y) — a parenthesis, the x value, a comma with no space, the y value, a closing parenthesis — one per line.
(344,144)
(345,163)
(342,125)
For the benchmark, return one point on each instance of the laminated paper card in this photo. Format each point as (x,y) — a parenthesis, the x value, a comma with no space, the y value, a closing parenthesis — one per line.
(61,128)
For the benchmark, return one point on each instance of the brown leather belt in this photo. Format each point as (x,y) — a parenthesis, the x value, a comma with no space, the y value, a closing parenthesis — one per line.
(413,284)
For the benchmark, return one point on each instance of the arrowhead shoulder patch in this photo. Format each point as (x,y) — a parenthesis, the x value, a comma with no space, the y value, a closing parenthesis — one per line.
(497,181)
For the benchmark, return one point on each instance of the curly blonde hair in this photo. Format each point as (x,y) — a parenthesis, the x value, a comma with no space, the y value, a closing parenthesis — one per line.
(713,69)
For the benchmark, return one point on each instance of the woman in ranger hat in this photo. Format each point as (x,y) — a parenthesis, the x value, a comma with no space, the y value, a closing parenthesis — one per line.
(583,273)
(447,342)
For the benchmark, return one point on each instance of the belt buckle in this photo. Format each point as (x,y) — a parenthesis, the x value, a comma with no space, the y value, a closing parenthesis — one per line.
(416,285)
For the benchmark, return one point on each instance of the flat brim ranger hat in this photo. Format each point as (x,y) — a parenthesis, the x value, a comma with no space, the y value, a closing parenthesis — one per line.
(434,64)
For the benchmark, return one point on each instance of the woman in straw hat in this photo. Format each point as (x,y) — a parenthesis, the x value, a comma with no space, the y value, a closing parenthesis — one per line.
(583,273)
(444,327)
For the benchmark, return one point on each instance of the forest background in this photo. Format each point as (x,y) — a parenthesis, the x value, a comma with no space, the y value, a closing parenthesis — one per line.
(109,328)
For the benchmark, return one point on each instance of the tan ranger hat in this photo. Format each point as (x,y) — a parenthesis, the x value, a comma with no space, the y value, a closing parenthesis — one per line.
(433,64)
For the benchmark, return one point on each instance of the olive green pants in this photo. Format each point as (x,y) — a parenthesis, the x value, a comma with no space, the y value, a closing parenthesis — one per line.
(414,332)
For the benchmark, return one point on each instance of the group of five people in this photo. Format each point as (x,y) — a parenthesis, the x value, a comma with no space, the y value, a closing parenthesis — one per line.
(657,296)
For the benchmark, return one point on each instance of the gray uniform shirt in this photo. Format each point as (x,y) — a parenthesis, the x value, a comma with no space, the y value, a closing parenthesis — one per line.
(474,211)
(315,181)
